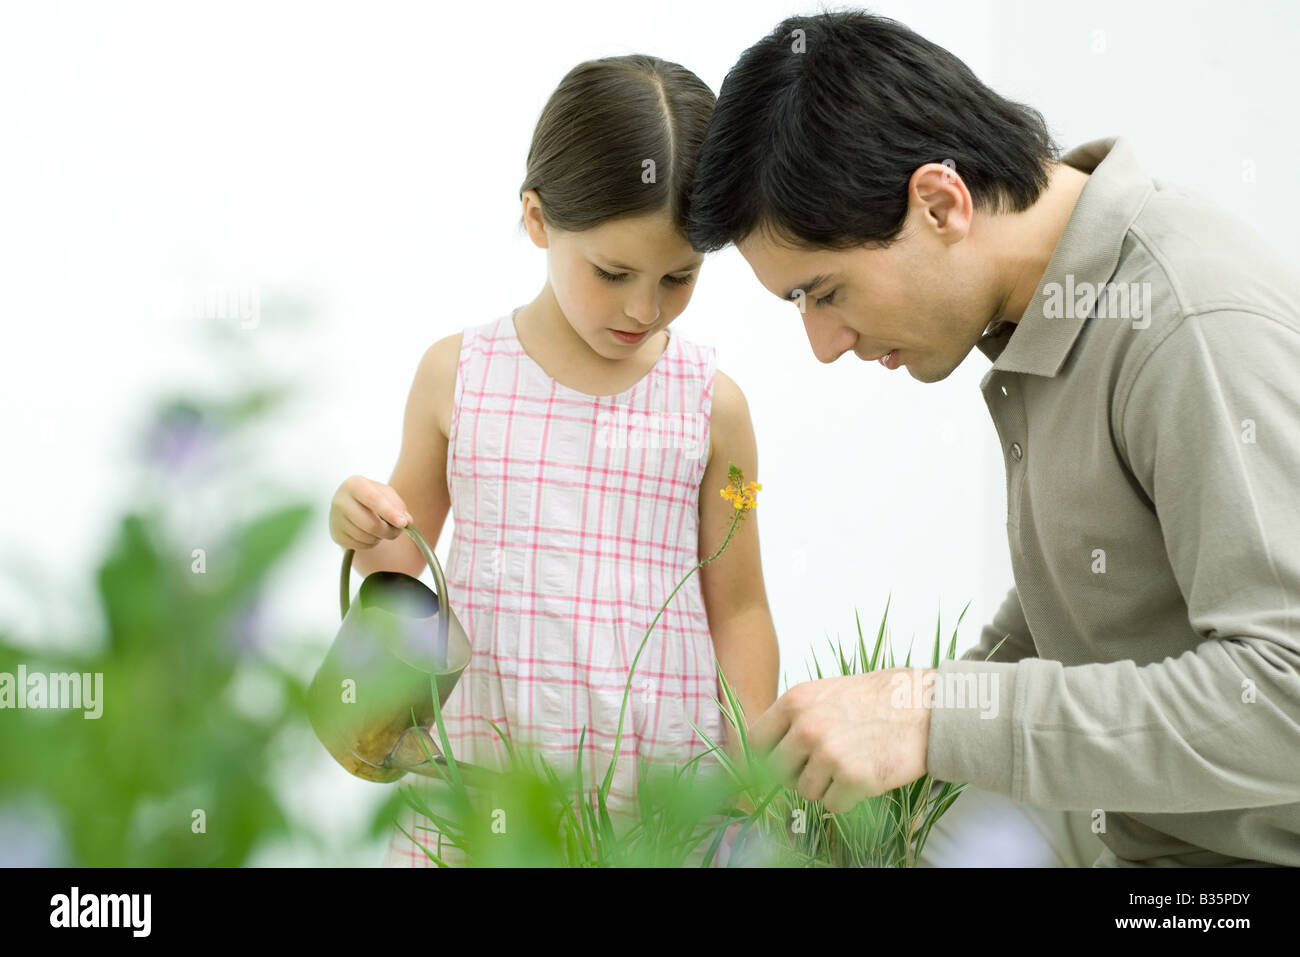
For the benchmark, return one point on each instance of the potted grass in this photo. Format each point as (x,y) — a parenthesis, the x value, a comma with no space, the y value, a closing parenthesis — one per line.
(784,828)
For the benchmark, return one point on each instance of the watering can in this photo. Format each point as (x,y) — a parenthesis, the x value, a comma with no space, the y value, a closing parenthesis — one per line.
(398,641)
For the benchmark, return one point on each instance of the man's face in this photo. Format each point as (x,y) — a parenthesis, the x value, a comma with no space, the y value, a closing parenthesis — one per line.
(922,296)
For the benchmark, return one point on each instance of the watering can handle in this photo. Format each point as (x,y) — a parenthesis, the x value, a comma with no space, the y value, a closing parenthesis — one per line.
(429,557)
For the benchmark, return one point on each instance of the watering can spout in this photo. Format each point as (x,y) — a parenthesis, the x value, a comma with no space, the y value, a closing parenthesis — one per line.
(398,645)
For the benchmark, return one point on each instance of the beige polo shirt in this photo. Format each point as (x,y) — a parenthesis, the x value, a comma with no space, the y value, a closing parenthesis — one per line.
(1151,434)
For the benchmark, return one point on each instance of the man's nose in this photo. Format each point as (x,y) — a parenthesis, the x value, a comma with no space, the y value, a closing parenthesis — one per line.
(829,340)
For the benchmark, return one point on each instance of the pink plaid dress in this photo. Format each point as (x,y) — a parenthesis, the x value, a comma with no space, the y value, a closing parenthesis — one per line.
(574,518)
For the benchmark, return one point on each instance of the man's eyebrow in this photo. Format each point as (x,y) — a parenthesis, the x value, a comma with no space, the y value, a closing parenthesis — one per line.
(695,264)
(808,286)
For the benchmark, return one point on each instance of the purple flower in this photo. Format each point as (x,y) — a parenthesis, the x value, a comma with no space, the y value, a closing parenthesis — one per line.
(245,633)
(29,836)
(179,439)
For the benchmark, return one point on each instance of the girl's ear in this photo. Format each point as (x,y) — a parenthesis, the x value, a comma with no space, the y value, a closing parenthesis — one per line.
(532,219)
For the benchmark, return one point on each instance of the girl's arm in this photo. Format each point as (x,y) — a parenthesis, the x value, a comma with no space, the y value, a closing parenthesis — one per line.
(744,638)
(420,476)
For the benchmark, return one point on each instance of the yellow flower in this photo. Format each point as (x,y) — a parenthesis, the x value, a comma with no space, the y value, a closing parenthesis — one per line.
(741,494)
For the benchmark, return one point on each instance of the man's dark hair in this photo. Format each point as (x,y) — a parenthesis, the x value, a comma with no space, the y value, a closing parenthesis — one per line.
(816,147)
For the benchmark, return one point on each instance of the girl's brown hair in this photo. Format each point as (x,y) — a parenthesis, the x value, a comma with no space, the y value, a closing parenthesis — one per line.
(607,117)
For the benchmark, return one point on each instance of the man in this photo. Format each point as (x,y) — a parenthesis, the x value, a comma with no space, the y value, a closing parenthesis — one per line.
(1146,390)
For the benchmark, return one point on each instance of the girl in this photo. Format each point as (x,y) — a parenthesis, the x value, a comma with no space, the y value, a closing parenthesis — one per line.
(581,447)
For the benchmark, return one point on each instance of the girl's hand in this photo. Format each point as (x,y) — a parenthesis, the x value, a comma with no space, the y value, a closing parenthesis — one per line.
(364,511)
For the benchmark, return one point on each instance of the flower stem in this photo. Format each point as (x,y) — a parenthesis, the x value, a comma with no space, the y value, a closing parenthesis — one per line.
(618,738)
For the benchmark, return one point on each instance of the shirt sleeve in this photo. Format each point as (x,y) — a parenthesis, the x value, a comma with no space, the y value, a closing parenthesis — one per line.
(1211,430)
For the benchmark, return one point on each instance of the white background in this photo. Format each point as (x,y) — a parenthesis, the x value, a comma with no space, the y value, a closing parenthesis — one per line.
(367,158)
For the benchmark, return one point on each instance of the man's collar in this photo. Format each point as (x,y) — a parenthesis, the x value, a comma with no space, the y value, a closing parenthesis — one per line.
(1088,251)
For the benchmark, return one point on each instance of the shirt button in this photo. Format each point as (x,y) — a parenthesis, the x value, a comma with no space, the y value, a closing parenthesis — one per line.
(1017,452)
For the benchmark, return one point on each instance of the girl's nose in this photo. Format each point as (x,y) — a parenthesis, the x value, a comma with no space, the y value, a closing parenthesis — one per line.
(644,308)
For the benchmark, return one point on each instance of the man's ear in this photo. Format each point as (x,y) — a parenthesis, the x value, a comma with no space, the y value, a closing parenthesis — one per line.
(938,193)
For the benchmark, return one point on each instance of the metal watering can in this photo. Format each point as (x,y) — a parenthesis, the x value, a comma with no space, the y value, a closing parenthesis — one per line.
(394,639)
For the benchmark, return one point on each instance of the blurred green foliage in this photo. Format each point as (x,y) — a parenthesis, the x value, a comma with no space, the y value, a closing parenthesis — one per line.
(191,703)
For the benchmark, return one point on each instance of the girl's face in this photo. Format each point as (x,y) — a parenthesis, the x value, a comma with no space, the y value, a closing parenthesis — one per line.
(618,283)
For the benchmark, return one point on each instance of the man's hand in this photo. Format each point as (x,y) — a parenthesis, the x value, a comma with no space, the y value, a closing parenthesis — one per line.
(840,740)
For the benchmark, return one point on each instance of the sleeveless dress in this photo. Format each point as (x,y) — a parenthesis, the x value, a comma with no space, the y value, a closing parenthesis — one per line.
(575,516)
